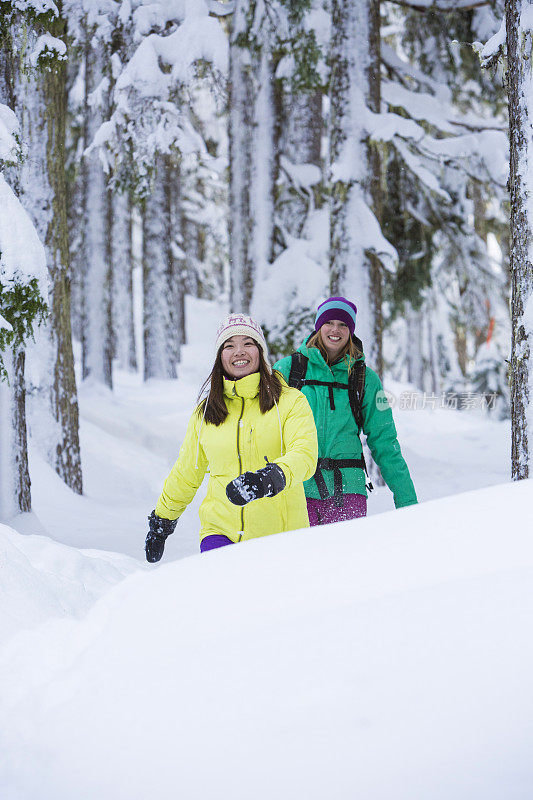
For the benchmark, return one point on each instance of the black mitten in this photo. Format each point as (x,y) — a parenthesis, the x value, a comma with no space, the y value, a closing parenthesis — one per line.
(155,541)
(266,482)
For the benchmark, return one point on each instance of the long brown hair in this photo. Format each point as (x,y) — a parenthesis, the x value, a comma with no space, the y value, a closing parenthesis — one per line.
(350,352)
(214,406)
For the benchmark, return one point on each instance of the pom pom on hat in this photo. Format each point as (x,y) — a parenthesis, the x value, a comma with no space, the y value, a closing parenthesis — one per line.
(242,325)
(336,308)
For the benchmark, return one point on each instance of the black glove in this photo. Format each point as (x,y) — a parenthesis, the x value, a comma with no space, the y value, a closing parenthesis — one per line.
(266,482)
(155,541)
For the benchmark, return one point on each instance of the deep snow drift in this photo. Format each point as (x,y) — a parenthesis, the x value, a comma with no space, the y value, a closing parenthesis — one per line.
(377,658)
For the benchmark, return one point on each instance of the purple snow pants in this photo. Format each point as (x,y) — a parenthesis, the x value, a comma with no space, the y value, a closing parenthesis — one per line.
(213,541)
(322,512)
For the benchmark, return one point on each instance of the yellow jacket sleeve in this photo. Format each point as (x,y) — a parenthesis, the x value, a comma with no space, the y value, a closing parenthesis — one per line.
(185,476)
(300,441)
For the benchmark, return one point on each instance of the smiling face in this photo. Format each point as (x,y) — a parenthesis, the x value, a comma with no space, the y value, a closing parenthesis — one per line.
(240,357)
(334,335)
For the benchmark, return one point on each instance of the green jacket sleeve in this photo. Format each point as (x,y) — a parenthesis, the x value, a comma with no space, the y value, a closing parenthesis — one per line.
(185,476)
(380,432)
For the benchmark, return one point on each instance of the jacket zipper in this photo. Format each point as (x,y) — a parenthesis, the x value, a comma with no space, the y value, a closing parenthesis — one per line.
(240,462)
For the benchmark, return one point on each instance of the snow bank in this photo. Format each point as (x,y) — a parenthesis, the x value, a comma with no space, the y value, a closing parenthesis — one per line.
(378,658)
(42,579)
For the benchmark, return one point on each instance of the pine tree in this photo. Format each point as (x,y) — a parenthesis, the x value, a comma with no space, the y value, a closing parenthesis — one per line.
(38,91)
(23,282)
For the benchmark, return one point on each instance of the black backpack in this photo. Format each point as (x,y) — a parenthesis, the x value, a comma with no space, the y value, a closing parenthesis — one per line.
(356,390)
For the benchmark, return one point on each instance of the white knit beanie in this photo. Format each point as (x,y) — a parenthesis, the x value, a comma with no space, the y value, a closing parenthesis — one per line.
(242,325)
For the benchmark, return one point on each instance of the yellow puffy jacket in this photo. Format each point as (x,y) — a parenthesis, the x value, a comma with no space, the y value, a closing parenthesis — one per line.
(239,444)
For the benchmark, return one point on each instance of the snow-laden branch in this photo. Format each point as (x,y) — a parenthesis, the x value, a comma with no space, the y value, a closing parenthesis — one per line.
(150,114)
(468,141)
(48,46)
(426,177)
(37,6)
(220,9)
(490,52)
(408,72)
(442,5)
(440,114)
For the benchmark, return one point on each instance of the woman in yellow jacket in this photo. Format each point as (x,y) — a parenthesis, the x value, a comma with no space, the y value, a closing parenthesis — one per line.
(257,439)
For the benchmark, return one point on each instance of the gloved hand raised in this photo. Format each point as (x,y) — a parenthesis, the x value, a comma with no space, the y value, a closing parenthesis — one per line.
(266,482)
(157,535)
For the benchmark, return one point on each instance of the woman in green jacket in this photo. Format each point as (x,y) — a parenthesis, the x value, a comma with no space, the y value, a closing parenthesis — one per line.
(328,361)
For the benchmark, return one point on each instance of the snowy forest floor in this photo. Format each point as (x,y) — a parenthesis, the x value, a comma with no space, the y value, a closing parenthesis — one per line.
(130,438)
(383,657)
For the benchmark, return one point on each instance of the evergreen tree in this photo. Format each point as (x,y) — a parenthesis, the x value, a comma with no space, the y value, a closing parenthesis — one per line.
(35,70)
(23,285)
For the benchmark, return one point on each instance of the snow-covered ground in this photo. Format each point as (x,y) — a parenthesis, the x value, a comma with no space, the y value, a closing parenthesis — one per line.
(378,658)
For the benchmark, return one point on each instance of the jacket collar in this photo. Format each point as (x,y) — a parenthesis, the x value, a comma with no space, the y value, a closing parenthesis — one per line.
(247,387)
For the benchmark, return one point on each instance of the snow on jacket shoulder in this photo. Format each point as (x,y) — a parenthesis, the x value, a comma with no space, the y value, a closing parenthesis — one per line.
(285,435)
(338,435)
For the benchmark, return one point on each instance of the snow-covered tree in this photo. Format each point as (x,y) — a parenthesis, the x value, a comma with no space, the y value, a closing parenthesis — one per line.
(443,175)
(150,125)
(356,239)
(35,69)
(278,255)
(23,289)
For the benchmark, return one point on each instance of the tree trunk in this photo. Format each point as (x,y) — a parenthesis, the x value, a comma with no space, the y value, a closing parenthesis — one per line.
(520,89)
(15,495)
(415,367)
(161,331)
(64,392)
(300,136)
(251,151)
(41,104)
(350,266)
(240,159)
(97,220)
(122,271)
(375,348)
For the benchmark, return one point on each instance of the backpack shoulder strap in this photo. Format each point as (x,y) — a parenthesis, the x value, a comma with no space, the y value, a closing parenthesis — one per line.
(298,370)
(356,391)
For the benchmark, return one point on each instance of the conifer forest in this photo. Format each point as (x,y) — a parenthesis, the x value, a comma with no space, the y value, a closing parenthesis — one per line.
(261,154)
(266,399)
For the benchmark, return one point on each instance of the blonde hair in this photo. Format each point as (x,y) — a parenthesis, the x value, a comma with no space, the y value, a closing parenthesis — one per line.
(350,352)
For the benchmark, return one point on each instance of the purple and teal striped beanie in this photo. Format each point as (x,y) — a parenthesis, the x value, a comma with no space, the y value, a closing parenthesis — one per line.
(336,308)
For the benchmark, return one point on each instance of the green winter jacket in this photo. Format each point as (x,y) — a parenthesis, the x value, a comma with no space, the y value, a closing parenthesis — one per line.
(338,435)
